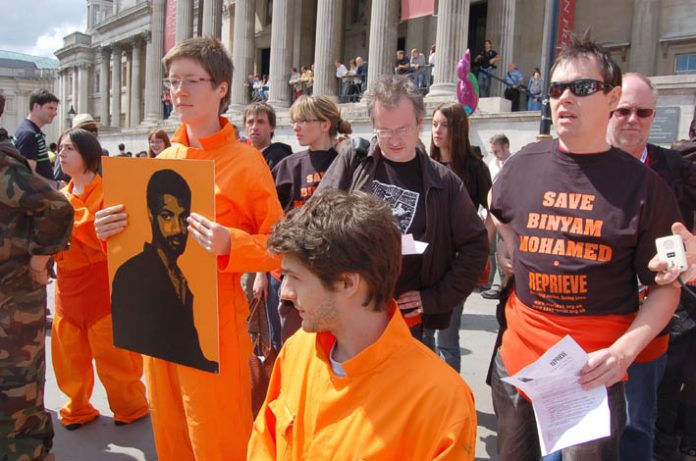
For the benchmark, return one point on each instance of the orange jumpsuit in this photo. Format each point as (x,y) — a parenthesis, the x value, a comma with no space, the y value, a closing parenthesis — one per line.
(397,401)
(82,329)
(198,415)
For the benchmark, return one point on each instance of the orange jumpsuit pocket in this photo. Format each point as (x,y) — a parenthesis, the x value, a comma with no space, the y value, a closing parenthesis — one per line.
(285,421)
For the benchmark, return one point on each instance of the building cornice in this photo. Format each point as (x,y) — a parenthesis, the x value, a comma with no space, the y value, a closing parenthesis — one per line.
(123,19)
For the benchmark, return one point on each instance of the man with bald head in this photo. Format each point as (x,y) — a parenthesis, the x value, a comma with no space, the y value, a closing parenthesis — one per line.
(629,130)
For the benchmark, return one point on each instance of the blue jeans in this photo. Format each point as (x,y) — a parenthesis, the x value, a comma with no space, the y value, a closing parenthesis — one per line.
(447,340)
(641,409)
(484,81)
(272,301)
(533,104)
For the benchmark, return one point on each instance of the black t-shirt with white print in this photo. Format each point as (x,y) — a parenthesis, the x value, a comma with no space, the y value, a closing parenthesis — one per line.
(400,184)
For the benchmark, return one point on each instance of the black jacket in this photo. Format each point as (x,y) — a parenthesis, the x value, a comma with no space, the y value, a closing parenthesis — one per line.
(680,174)
(276,152)
(457,242)
(149,317)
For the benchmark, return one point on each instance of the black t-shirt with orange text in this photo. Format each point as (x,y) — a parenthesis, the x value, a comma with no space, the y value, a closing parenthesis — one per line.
(297,176)
(585,225)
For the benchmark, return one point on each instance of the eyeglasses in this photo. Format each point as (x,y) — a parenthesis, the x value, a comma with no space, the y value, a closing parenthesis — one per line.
(303,123)
(582,87)
(625,112)
(174,83)
(386,133)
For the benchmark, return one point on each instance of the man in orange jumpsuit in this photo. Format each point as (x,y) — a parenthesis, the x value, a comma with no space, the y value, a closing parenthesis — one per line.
(197,415)
(355,384)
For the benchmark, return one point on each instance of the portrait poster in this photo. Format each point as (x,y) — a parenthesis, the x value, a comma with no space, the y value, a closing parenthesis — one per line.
(163,283)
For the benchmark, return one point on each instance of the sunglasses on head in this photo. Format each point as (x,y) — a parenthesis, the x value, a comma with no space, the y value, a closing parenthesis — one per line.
(582,87)
(624,112)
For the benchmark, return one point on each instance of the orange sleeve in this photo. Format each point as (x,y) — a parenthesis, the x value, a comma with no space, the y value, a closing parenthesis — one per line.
(248,252)
(83,229)
(262,444)
(458,441)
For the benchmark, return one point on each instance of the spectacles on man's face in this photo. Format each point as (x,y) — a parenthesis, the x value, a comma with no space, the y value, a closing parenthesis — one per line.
(387,133)
(581,87)
(175,83)
(625,112)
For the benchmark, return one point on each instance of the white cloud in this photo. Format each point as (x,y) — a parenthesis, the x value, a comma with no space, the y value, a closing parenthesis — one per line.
(47,44)
(41,32)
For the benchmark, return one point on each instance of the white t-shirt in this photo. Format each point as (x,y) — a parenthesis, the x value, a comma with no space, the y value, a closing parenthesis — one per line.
(341,71)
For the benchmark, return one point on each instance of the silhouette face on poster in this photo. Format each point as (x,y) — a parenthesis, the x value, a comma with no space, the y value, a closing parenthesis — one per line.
(152,305)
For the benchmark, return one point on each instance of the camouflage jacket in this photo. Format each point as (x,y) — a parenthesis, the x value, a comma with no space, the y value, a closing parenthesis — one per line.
(35,219)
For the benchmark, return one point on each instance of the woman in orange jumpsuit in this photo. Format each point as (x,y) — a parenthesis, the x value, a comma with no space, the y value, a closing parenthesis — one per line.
(82,329)
(198,415)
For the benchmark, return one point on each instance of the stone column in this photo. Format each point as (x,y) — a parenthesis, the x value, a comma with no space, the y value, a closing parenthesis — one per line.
(450,43)
(281,53)
(547,41)
(153,64)
(75,90)
(243,49)
(212,18)
(104,86)
(83,89)
(382,45)
(329,33)
(116,85)
(136,86)
(644,35)
(500,29)
(184,20)
(126,76)
(65,107)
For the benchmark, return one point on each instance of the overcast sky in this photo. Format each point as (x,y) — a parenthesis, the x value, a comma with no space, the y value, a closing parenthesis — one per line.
(37,27)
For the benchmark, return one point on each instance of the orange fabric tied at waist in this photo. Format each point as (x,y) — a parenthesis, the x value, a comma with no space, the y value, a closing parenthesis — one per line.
(530,333)
(654,349)
(82,295)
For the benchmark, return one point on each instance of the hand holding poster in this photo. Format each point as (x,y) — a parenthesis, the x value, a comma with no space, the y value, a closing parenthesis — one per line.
(163,289)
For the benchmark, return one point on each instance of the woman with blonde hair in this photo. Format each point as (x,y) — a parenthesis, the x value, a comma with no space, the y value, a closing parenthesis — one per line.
(82,326)
(157,141)
(317,123)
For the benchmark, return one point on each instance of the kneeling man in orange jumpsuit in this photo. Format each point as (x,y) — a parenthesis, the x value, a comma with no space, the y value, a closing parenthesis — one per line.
(198,415)
(353,383)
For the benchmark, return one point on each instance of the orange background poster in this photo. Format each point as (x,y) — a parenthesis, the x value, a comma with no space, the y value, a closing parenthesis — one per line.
(125,182)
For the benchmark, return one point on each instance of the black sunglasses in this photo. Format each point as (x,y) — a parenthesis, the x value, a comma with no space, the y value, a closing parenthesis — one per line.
(582,87)
(623,112)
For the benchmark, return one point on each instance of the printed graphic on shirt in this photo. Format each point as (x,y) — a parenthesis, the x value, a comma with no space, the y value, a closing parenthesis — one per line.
(563,293)
(308,187)
(403,202)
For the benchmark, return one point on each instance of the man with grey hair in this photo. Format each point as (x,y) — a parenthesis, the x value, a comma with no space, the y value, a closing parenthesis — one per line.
(429,201)
(629,130)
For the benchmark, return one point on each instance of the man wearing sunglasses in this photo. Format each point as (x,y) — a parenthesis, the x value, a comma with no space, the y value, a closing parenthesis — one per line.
(578,278)
(629,130)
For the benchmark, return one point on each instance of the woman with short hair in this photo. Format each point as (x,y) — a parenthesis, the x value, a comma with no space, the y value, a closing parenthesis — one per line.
(82,328)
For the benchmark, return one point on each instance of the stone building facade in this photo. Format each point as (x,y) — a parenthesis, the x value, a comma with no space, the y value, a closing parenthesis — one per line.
(113,70)
(20,74)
